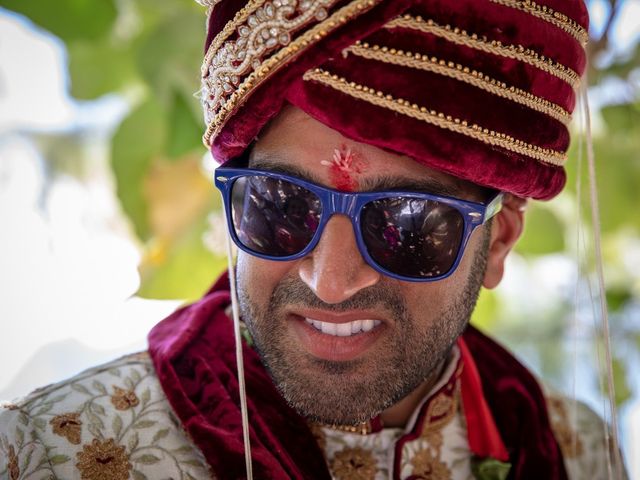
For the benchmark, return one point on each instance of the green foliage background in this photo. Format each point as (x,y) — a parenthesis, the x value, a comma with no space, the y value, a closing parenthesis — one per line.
(150,51)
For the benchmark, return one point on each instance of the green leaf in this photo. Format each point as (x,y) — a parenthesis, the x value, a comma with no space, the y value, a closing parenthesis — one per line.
(94,430)
(138,475)
(26,460)
(80,388)
(23,419)
(97,408)
(140,138)
(618,298)
(69,19)
(159,435)
(58,459)
(135,376)
(170,55)
(489,469)
(95,420)
(185,130)
(620,381)
(19,437)
(145,397)
(144,424)
(182,450)
(617,155)
(146,459)
(40,423)
(99,387)
(543,232)
(116,425)
(193,462)
(187,269)
(621,118)
(44,409)
(57,398)
(133,442)
(99,68)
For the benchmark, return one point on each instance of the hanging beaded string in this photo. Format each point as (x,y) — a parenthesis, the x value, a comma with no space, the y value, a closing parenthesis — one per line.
(614,465)
(239,359)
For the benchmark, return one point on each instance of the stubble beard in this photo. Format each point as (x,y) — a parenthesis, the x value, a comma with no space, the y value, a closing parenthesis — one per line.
(351,392)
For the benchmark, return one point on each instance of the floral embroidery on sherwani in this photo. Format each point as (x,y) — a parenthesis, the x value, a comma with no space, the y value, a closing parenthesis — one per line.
(124,399)
(429,467)
(103,460)
(114,421)
(14,470)
(354,464)
(67,425)
(111,422)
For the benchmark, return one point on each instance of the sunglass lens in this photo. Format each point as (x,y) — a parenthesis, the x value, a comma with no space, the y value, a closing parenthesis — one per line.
(272,216)
(412,237)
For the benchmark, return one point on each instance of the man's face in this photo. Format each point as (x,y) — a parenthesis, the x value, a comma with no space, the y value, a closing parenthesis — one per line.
(298,311)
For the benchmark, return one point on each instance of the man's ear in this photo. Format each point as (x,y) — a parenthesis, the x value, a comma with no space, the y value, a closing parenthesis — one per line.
(506,228)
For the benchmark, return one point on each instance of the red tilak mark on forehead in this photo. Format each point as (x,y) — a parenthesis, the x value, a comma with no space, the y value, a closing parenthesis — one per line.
(342,168)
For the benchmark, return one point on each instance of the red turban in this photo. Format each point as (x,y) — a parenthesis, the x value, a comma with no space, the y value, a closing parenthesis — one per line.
(480,89)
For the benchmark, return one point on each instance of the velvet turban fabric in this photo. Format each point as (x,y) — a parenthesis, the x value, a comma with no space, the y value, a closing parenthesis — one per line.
(480,89)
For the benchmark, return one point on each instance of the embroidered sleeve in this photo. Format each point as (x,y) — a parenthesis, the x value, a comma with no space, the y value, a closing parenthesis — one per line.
(109,422)
(580,432)
(22,454)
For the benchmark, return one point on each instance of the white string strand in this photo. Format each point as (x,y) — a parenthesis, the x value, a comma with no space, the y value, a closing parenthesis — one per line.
(601,368)
(575,321)
(595,213)
(239,358)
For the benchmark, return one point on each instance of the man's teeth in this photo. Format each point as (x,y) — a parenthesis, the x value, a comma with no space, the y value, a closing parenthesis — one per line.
(343,329)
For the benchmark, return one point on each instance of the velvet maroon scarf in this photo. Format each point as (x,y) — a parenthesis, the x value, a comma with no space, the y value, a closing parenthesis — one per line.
(193,352)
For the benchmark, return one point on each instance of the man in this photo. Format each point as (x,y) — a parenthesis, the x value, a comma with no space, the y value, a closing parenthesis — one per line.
(377,160)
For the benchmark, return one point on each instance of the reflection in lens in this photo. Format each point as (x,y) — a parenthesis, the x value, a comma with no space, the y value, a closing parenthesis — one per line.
(412,237)
(273,216)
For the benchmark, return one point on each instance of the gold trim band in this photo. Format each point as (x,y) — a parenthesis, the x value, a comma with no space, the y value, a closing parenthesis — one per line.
(547,14)
(461,37)
(432,117)
(267,67)
(460,73)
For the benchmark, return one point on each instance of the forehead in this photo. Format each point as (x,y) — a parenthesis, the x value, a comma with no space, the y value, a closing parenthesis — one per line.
(296,143)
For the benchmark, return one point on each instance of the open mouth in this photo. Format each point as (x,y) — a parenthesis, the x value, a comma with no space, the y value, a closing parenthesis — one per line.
(345,329)
(337,337)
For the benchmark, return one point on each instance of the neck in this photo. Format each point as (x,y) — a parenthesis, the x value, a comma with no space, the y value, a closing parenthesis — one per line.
(399,413)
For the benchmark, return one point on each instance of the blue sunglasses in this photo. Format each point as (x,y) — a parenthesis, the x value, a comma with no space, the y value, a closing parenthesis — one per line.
(409,236)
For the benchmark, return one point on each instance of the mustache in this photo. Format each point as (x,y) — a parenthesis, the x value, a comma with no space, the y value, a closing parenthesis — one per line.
(293,291)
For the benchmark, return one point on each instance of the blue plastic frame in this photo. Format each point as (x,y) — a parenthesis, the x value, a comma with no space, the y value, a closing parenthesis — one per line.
(350,204)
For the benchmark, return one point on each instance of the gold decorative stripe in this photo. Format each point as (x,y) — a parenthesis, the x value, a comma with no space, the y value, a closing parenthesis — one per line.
(280,57)
(460,73)
(239,19)
(432,117)
(268,29)
(495,47)
(547,14)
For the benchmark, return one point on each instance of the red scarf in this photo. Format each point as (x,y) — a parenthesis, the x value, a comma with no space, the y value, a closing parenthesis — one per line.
(193,352)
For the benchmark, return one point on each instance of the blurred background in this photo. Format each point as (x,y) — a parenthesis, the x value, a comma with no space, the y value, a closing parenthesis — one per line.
(109,221)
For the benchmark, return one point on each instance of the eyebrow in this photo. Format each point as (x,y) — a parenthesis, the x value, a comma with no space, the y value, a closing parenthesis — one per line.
(370,184)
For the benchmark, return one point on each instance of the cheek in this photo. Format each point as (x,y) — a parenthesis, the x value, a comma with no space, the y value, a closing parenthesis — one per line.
(259,277)
(425,299)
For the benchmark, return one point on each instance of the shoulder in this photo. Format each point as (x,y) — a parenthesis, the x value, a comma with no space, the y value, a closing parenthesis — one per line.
(111,421)
(581,435)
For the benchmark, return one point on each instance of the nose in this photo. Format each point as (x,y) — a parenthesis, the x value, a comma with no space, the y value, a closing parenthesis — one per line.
(335,269)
